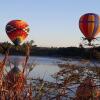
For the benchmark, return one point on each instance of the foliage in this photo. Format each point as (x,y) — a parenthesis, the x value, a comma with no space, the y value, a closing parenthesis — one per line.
(47,51)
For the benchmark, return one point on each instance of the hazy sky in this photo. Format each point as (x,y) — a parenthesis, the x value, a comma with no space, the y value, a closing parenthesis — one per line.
(52,22)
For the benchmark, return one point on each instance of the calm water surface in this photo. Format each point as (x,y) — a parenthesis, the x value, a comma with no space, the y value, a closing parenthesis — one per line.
(44,66)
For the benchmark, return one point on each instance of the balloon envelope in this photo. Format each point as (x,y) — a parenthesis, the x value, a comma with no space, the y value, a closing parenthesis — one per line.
(89,25)
(17,31)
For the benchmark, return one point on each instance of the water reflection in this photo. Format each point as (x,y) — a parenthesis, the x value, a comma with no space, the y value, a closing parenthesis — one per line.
(44,71)
(44,67)
(64,76)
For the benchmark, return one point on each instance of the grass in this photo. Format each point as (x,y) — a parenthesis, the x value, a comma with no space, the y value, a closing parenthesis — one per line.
(68,79)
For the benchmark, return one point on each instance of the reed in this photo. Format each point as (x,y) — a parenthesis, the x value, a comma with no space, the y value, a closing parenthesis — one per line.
(17,86)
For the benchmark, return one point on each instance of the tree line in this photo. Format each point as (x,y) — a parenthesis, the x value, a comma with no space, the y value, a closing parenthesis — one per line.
(48,51)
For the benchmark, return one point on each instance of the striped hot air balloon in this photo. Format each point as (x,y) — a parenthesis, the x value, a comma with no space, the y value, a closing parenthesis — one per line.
(89,25)
(17,31)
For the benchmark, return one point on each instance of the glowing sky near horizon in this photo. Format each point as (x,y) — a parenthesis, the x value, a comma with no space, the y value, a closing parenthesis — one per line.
(52,22)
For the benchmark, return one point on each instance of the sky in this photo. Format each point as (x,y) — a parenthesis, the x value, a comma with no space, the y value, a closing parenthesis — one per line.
(53,23)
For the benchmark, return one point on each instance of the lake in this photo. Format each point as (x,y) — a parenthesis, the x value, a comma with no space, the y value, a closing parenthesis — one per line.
(44,67)
(57,70)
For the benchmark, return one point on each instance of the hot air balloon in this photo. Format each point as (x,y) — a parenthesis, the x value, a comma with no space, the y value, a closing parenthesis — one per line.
(89,25)
(17,31)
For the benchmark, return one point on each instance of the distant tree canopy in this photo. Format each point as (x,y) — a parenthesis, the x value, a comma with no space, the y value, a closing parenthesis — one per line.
(47,51)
